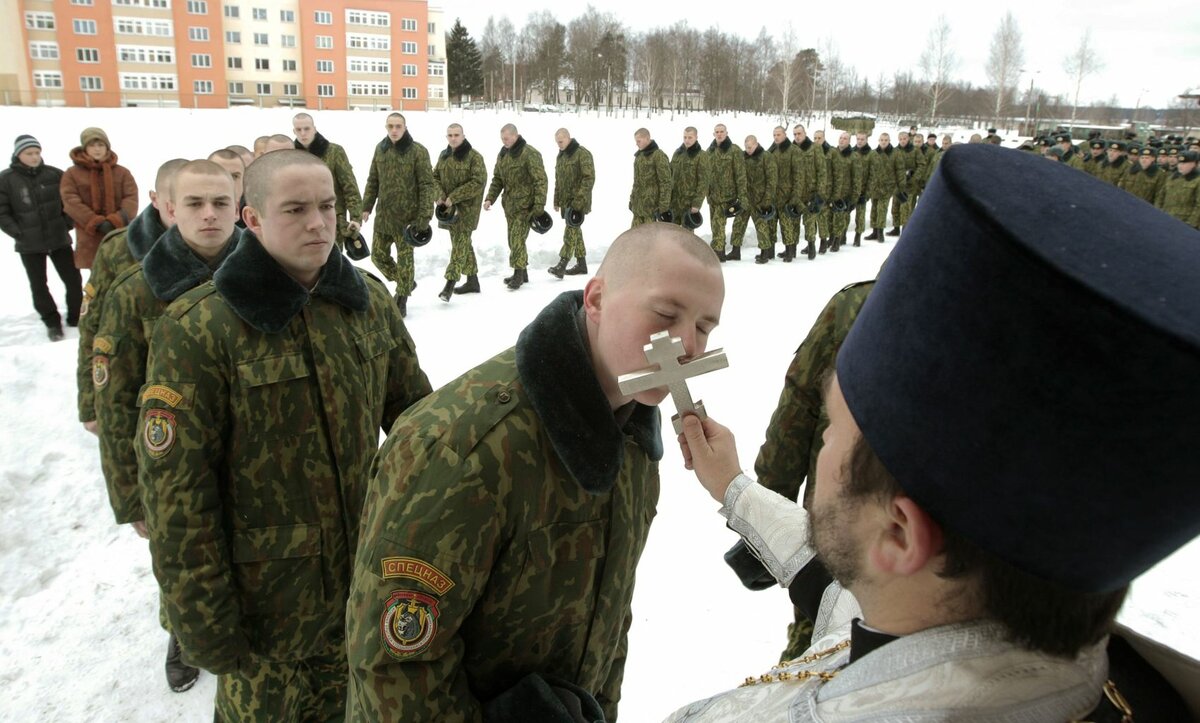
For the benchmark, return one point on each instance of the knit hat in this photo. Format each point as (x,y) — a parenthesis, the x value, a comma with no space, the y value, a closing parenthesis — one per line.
(93,134)
(24,142)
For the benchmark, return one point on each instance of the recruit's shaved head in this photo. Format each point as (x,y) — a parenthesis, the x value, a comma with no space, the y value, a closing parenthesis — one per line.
(562,133)
(641,133)
(642,249)
(166,172)
(202,168)
(260,173)
(509,128)
(225,154)
(302,116)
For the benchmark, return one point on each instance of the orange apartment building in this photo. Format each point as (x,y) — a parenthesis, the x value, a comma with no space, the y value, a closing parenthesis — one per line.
(320,54)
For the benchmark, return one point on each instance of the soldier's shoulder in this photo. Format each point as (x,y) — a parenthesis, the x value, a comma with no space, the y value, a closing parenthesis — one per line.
(857,288)
(373,282)
(128,275)
(203,296)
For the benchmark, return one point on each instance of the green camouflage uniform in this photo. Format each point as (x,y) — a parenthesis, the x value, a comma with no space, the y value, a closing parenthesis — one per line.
(859,183)
(118,251)
(841,188)
(825,217)
(1094,165)
(651,194)
(811,180)
(134,303)
(689,180)
(762,183)
(521,177)
(259,420)
(906,163)
(785,168)
(344,183)
(574,177)
(789,454)
(502,530)
(1074,158)
(1112,172)
(401,179)
(1144,183)
(726,183)
(460,176)
(881,184)
(1180,197)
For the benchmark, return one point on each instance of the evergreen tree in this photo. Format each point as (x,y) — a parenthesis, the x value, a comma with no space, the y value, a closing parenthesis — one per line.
(464,64)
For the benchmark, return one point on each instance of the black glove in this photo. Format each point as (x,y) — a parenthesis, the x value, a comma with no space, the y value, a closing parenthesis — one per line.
(543,698)
(862,199)
(902,197)
(105,228)
(748,568)
(908,173)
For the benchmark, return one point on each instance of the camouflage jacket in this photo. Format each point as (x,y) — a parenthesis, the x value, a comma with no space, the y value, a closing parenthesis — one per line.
(344,183)
(1114,171)
(785,169)
(118,251)
(906,163)
(651,191)
(134,303)
(726,174)
(860,168)
(810,177)
(841,169)
(762,180)
(881,179)
(1180,197)
(460,176)
(1074,158)
(1146,184)
(260,418)
(521,177)
(401,179)
(1094,165)
(789,453)
(689,177)
(574,177)
(502,530)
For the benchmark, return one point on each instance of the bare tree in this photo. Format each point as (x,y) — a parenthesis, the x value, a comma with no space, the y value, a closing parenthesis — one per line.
(1004,62)
(937,63)
(784,74)
(1082,62)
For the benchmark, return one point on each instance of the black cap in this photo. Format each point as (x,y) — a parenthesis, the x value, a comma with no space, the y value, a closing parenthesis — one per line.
(1189,156)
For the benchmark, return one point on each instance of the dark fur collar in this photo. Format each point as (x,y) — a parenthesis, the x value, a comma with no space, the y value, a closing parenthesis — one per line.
(757,152)
(886,151)
(863,150)
(1195,172)
(171,268)
(649,150)
(825,146)
(1152,171)
(781,147)
(556,369)
(692,152)
(516,149)
(460,153)
(143,231)
(847,151)
(1134,169)
(1117,163)
(265,297)
(908,148)
(724,145)
(317,147)
(570,149)
(808,143)
(401,145)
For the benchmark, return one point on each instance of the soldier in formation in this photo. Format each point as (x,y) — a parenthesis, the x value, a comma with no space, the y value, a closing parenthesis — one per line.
(762,179)
(574,177)
(726,185)
(520,176)
(460,176)
(810,179)
(689,177)
(349,201)
(650,199)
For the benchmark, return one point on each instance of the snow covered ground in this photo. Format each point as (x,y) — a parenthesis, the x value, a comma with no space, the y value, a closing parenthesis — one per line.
(79,637)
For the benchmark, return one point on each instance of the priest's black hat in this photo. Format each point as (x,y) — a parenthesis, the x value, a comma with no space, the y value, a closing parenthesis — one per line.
(1029,381)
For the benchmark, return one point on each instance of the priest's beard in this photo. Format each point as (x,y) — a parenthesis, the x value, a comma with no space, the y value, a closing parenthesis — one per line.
(834,541)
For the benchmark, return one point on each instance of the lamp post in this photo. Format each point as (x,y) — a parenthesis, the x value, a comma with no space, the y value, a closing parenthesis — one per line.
(1029,101)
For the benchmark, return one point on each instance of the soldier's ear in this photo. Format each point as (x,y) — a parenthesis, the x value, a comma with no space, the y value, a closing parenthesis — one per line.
(253,220)
(593,294)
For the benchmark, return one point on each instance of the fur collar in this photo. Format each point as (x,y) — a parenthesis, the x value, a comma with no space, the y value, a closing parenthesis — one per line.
(401,145)
(723,146)
(805,145)
(556,369)
(1151,172)
(648,150)
(516,149)
(459,153)
(265,297)
(780,147)
(691,152)
(1117,163)
(143,231)
(570,149)
(317,147)
(171,268)
(825,146)
(1195,172)
(864,150)
(847,151)
(908,148)
(1134,169)
(886,151)
(757,152)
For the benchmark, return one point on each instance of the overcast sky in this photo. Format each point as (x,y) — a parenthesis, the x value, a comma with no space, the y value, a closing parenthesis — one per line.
(1150,51)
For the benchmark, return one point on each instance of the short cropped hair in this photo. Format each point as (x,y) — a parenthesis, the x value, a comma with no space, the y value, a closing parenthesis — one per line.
(166,173)
(257,184)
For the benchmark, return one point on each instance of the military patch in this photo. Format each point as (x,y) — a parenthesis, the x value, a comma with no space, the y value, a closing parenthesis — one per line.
(408,624)
(102,345)
(89,293)
(159,432)
(418,570)
(99,371)
(162,393)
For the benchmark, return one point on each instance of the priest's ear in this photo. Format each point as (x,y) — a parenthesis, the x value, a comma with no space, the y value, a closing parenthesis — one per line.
(911,540)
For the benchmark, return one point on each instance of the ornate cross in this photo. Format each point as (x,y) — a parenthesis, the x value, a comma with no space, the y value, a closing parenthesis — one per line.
(663,352)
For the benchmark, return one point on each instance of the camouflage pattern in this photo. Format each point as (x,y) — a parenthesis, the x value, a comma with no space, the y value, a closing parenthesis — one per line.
(259,420)
(1180,197)
(841,188)
(859,182)
(726,169)
(118,251)
(906,161)
(789,454)
(520,176)
(574,178)
(401,179)
(825,217)
(1114,171)
(785,187)
(1074,157)
(460,176)
(133,305)
(268,690)
(652,181)
(483,559)
(689,179)
(811,178)
(881,183)
(1146,184)
(762,181)
(344,183)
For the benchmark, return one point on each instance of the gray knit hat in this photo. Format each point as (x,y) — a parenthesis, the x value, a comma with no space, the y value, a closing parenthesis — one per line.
(24,142)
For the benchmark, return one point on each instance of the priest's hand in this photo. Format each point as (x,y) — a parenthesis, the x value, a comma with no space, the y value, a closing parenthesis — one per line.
(710,451)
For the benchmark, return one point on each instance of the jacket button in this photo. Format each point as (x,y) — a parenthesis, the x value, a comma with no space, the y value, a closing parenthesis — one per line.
(504,397)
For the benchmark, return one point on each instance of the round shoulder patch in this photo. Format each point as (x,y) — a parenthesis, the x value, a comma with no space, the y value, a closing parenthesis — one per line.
(158,433)
(99,371)
(408,624)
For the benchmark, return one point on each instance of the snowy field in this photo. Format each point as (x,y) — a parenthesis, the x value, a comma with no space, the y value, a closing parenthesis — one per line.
(79,636)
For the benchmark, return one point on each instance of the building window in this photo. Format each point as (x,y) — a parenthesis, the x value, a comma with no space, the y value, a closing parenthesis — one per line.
(145,54)
(289,65)
(197,7)
(43,51)
(362,17)
(432,28)
(261,39)
(233,62)
(287,16)
(236,87)
(84,27)
(39,21)
(47,79)
(87,55)
(233,11)
(90,82)
(323,17)
(432,50)
(325,90)
(437,91)
(259,13)
(81,2)
(324,66)
(409,93)
(201,60)
(263,88)
(408,24)
(147,81)
(363,88)
(408,48)
(198,34)
(153,4)
(233,37)
(368,42)
(287,41)
(324,42)
(408,69)
(262,64)
(437,70)
(291,89)
(202,87)
(370,65)
(140,26)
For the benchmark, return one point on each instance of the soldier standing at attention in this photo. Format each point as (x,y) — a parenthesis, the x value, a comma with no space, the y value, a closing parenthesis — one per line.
(509,509)
(401,179)
(460,176)
(726,184)
(574,177)
(521,177)
(1093,164)
(784,152)
(266,392)
(334,157)
(1180,195)
(906,163)
(860,182)
(1145,179)
(825,215)
(689,179)
(650,199)
(1116,164)
(810,179)
(761,182)
(841,190)
(881,185)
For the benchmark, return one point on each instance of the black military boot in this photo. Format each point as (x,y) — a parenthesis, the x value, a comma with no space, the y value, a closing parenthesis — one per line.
(789,253)
(762,257)
(55,333)
(835,243)
(560,268)
(180,675)
(720,255)
(858,239)
(895,231)
(579,268)
(824,246)
(771,252)
(470,286)
(446,291)
(402,305)
(874,235)
(878,235)
(735,254)
(519,277)
(810,250)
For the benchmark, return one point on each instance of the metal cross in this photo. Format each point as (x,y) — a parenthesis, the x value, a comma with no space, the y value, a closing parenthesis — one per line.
(663,352)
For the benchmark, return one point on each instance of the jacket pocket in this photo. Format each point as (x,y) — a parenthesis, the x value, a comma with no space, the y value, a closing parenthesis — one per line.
(277,393)
(564,565)
(277,571)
